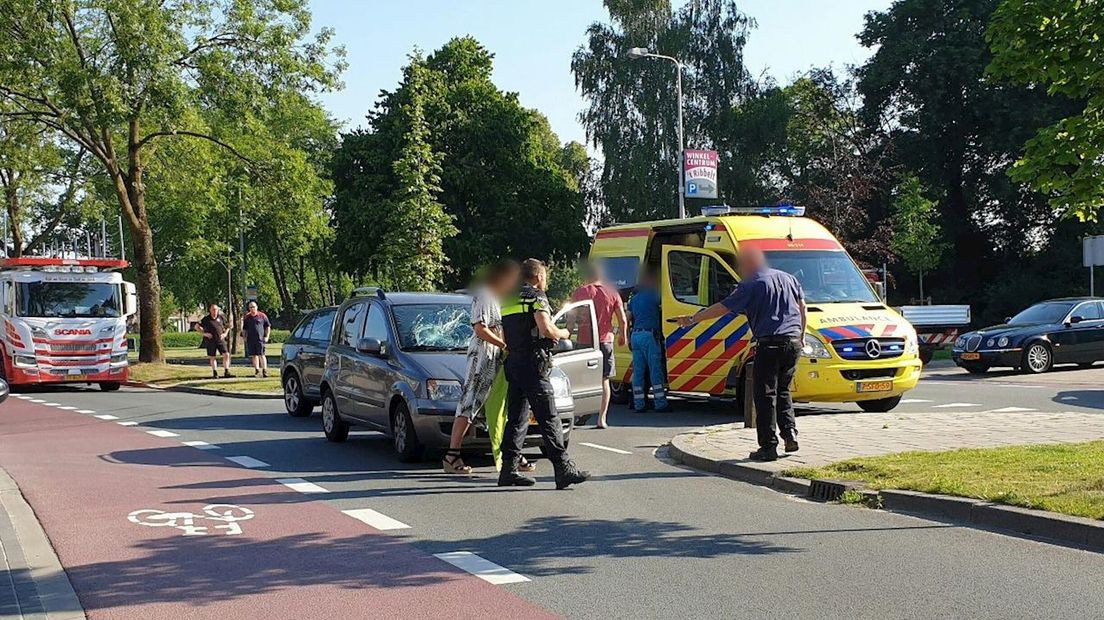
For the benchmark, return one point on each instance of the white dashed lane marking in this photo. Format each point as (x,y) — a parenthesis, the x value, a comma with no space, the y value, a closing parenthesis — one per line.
(67,408)
(955,405)
(247,461)
(606,448)
(300,485)
(484,569)
(1011,410)
(909,401)
(52,404)
(202,445)
(375,519)
(104,416)
(23,396)
(37,400)
(127,423)
(85,411)
(165,434)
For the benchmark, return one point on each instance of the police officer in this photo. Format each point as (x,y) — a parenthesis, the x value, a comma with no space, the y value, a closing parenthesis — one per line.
(775,308)
(530,334)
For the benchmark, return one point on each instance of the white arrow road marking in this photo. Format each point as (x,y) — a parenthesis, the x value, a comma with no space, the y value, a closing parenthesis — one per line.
(1010,410)
(165,434)
(104,416)
(202,445)
(300,485)
(247,461)
(486,570)
(375,519)
(955,405)
(906,401)
(606,448)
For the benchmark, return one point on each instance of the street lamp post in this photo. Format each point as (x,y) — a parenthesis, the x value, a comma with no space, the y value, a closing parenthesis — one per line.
(643,52)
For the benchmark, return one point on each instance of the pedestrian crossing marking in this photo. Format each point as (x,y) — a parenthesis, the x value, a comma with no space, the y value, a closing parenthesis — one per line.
(484,569)
(375,519)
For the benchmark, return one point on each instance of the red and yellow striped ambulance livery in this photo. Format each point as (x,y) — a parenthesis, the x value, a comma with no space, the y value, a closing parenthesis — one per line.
(856,348)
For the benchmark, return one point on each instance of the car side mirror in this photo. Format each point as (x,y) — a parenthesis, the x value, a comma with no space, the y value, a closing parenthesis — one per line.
(1007,319)
(372,346)
(4,390)
(1076,319)
(563,345)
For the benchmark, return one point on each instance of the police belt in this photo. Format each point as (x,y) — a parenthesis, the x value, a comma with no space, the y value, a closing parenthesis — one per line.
(776,339)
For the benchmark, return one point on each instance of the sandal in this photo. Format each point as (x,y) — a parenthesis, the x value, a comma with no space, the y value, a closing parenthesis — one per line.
(525,465)
(453,464)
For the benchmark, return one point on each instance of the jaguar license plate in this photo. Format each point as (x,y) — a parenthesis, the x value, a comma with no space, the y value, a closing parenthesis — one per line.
(873,386)
(971,356)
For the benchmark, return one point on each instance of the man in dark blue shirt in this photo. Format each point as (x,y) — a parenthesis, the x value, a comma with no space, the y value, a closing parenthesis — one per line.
(775,307)
(646,344)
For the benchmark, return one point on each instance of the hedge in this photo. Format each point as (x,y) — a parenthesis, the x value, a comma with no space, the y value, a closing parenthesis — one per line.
(192,340)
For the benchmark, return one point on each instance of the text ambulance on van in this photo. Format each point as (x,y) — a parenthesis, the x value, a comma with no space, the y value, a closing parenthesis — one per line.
(856,349)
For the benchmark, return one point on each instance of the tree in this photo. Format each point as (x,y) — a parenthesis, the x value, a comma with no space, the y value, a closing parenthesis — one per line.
(119,77)
(416,224)
(958,131)
(501,171)
(1059,44)
(916,233)
(631,113)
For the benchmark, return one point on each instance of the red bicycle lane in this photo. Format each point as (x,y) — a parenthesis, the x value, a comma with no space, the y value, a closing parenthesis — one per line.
(96,487)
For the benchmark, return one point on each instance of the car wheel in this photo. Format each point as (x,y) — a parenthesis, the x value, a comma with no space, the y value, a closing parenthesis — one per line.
(1037,358)
(295,401)
(403,436)
(336,429)
(975,369)
(110,386)
(881,405)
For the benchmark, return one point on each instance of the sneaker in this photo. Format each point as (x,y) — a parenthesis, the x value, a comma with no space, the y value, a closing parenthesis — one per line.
(568,474)
(514,479)
(214,374)
(791,444)
(764,454)
(264,373)
(256,373)
(227,375)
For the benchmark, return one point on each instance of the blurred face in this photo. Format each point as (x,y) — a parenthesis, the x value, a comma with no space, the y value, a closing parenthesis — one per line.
(252,306)
(213,310)
(505,282)
(751,261)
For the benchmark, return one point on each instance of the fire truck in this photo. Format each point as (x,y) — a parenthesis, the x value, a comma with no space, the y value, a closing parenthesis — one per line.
(65,320)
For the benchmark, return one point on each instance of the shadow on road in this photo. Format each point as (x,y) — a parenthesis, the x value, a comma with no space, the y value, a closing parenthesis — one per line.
(1081,398)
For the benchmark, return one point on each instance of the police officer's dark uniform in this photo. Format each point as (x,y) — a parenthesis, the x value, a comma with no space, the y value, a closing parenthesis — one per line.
(528,364)
(772,302)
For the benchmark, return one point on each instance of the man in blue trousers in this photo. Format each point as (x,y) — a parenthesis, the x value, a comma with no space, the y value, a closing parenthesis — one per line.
(646,344)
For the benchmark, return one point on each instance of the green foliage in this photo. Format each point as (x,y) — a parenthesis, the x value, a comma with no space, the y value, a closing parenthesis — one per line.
(1059,44)
(916,234)
(182,340)
(563,278)
(501,170)
(631,113)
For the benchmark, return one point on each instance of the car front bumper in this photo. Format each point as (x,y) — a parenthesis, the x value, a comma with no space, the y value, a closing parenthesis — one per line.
(838,381)
(992,357)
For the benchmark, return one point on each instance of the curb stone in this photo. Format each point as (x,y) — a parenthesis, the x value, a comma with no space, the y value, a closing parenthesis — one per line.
(1051,526)
(206,391)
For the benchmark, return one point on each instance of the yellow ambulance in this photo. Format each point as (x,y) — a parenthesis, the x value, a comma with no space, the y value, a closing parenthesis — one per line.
(856,348)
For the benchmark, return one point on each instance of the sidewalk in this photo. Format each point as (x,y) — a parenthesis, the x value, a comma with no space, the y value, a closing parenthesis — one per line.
(33,585)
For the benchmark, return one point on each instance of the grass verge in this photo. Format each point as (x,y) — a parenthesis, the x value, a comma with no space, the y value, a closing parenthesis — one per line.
(162,375)
(1065,478)
(272,352)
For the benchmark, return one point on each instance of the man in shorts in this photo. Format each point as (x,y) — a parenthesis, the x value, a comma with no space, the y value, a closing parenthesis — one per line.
(256,328)
(214,329)
(607,305)
(485,354)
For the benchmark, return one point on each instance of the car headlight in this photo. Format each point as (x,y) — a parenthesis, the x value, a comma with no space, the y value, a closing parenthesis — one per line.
(444,389)
(24,360)
(960,343)
(561,390)
(814,348)
(992,342)
(1003,342)
(911,343)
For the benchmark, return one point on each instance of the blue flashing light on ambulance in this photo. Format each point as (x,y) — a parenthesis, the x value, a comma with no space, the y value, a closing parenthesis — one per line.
(856,348)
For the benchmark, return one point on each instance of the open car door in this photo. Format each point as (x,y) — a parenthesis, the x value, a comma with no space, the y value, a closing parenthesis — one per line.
(582,363)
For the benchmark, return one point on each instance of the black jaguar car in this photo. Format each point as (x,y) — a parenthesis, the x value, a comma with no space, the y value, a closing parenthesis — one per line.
(1059,331)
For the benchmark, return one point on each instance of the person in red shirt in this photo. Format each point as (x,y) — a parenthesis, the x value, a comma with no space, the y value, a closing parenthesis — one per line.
(607,305)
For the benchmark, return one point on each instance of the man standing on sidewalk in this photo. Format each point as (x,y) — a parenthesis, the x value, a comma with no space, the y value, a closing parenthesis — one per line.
(257,329)
(214,329)
(775,307)
(607,305)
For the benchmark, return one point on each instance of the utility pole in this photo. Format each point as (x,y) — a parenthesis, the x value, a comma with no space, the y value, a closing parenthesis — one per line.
(241,245)
(643,52)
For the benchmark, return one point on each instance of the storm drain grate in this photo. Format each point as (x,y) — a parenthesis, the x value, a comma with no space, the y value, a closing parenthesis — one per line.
(831,490)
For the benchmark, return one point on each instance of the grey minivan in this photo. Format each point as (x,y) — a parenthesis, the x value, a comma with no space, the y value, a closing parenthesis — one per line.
(396,364)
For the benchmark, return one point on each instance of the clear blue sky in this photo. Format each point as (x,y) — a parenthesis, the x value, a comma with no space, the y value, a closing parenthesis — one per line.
(533,41)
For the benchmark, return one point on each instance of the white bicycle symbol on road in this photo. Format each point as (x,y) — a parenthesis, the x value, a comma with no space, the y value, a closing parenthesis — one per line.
(227,514)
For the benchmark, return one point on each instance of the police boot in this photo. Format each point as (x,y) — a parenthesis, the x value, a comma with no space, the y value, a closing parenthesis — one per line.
(568,474)
(510,477)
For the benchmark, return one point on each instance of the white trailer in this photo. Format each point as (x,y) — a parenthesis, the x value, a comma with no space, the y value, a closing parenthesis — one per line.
(936,326)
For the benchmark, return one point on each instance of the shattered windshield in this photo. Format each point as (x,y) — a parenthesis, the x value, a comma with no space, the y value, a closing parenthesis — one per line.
(433,327)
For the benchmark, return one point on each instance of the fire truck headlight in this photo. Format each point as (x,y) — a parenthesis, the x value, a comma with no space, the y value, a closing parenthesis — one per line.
(38,332)
(25,360)
(118,357)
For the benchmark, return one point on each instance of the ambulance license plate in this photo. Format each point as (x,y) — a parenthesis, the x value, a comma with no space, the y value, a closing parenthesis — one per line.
(971,356)
(874,386)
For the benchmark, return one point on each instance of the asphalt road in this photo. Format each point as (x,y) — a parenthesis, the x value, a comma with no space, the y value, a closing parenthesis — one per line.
(647,538)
